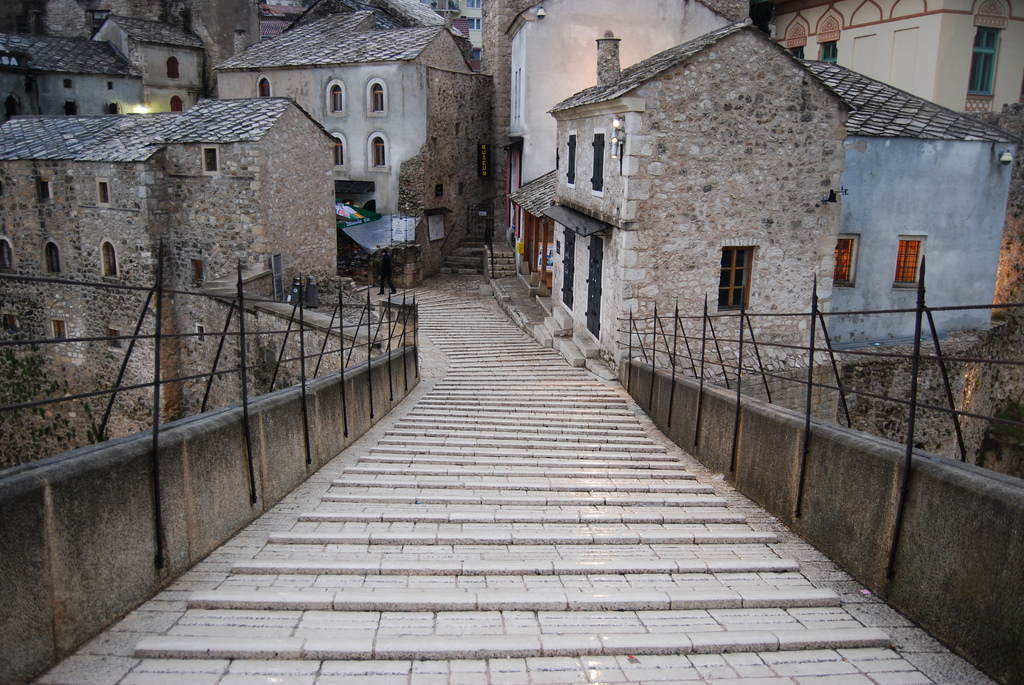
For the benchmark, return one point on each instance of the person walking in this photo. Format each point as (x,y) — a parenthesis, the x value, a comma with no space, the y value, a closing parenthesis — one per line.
(386,271)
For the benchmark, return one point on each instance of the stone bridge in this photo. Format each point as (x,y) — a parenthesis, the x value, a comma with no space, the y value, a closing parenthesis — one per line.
(515,520)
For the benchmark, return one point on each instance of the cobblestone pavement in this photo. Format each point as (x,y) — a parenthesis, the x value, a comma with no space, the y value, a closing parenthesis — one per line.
(514,521)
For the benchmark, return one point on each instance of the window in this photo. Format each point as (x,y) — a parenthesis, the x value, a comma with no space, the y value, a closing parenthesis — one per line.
(68,83)
(6,255)
(97,17)
(570,170)
(472,4)
(176,103)
(172,68)
(110,85)
(11,323)
(339,151)
(846,261)
(379,155)
(109,260)
(597,181)
(337,98)
(983,64)
(70,108)
(114,334)
(734,281)
(377,98)
(474,24)
(103,192)
(908,260)
(477,54)
(42,190)
(52,258)
(113,108)
(198,271)
(830,51)
(201,332)
(11,107)
(211,163)
(59,328)
(797,52)
(263,89)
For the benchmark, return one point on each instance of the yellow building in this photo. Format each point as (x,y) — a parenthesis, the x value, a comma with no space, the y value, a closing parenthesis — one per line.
(967,55)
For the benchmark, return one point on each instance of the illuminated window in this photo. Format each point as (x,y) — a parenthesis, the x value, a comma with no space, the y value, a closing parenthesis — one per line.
(846,260)
(734,281)
(908,260)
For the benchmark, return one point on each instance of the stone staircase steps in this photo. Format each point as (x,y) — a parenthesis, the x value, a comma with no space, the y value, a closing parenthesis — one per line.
(421,513)
(491,499)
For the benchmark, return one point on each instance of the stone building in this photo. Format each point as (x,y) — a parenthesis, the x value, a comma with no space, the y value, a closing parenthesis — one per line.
(53,75)
(964,55)
(538,55)
(170,59)
(92,198)
(406,112)
(697,172)
(921,184)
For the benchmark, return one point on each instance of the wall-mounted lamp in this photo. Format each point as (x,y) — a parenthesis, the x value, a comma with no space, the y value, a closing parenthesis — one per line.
(618,138)
(1005,156)
(541,13)
(833,196)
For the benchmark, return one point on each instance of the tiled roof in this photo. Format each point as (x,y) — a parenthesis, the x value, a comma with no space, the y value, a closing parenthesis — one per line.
(887,112)
(537,195)
(388,14)
(156,32)
(641,72)
(334,39)
(67,55)
(135,137)
(272,28)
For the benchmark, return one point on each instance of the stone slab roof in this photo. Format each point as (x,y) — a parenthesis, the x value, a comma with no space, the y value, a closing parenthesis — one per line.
(388,14)
(538,194)
(135,137)
(68,55)
(641,72)
(334,39)
(156,32)
(881,110)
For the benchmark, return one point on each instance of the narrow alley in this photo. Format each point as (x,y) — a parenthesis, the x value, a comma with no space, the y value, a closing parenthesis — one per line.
(516,520)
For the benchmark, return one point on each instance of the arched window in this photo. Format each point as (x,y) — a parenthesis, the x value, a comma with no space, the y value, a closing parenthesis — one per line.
(172,68)
(176,104)
(337,98)
(52,258)
(70,108)
(377,102)
(109,259)
(380,158)
(339,150)
(6,256)
(264,87)
(11,107)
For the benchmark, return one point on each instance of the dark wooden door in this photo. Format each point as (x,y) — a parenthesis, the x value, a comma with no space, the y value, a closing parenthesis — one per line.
(594,286)
(568,266)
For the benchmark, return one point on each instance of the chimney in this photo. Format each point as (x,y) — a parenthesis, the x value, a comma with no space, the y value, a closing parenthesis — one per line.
(607,59)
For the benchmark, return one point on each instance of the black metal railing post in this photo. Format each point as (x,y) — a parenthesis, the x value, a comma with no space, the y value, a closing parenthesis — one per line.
(391,332)
(805,448)
(102,432)
(739,386)
(157,339)
(341,356)
(654,358)
(949,388)
(718,351)
(296,287)
(629,362)
(757,354)
(675,346)
(405,330)
(901,502)
(243,372)
(327,336)
(416,335)
(835,367)
(700,392)
(369,353)
(302,370)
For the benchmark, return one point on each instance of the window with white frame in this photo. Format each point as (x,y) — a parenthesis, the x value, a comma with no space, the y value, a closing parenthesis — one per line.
(339,150)
(474,23)
(378,152)
(103,192)
(335,97)
(263,87)
(376,98)
(845,270)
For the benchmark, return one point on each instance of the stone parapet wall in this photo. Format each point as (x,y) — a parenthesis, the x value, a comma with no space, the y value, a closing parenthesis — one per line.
(959,566)
(77,547)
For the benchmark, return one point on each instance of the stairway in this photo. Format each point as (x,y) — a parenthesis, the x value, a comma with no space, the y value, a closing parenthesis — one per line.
(473,257)
(518,522)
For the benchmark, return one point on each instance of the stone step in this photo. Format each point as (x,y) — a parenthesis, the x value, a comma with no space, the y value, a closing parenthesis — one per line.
(528,472)
(423,513)
(432,445)
(514,565)
(636,466)
(592,485)
(342,643)
(506,535)
(610,452)
(465,497)
(549,434)
(517,599)
(440,420)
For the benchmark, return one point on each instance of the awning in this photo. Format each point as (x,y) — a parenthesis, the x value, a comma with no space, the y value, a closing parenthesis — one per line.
(353,216)
(577,221)
(437,210)
(384,231)
(353,187)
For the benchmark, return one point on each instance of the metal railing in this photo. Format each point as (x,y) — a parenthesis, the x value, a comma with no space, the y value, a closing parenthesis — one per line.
(380,328)
(663,342)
